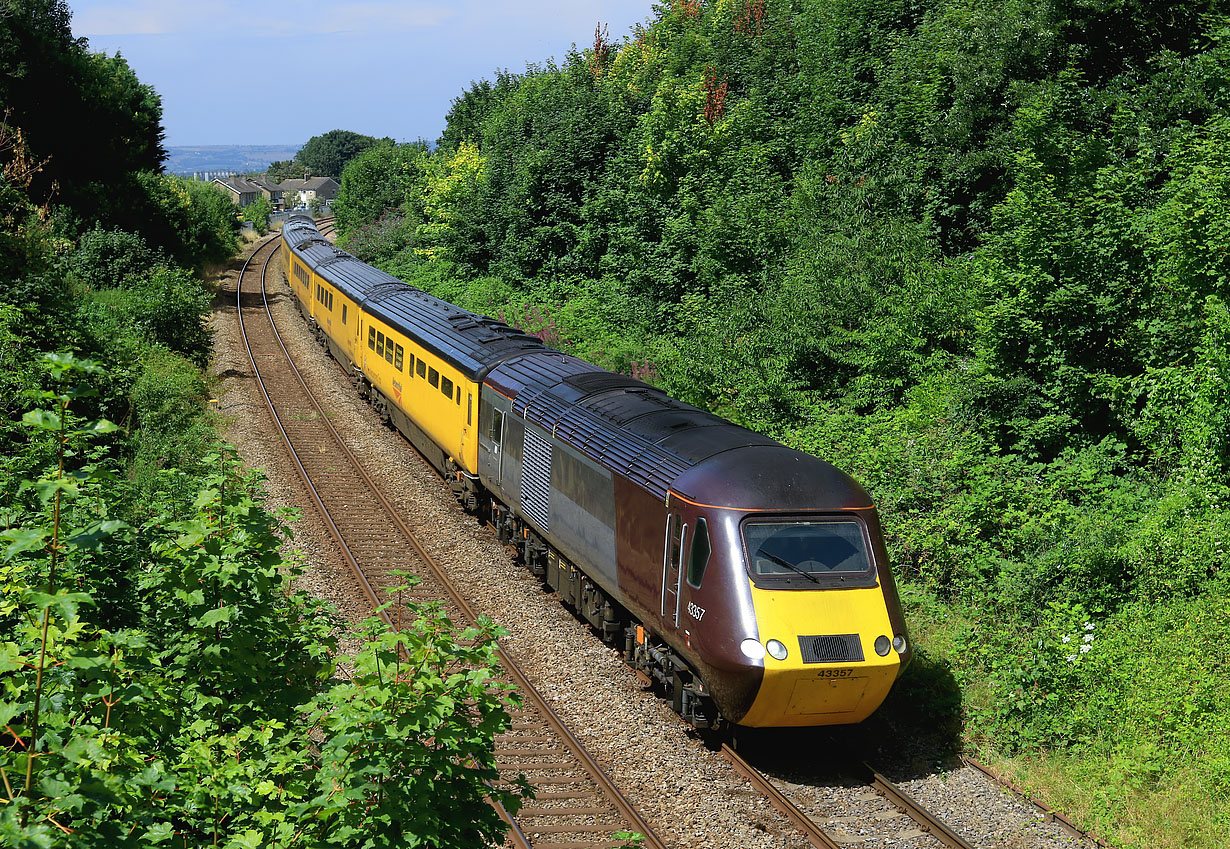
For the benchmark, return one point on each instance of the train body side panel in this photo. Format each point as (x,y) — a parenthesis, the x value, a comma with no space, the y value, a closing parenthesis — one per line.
(423,386)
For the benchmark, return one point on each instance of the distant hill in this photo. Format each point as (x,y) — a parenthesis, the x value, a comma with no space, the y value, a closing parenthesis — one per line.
(227,157)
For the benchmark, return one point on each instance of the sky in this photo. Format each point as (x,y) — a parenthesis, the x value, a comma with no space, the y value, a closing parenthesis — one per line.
(245,73)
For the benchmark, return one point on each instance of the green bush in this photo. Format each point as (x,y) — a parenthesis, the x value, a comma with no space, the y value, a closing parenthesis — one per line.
(112,258)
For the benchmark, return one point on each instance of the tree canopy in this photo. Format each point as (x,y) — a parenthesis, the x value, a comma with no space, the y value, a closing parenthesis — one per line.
(327,155)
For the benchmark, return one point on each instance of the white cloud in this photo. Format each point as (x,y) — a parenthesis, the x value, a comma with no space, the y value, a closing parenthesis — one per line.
(93,18)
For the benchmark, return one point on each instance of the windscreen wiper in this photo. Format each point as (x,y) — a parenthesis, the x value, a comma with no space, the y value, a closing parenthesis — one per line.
(808,575)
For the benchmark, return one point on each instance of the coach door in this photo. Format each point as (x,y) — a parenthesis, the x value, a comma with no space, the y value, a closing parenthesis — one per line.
(672,556)
(491,444)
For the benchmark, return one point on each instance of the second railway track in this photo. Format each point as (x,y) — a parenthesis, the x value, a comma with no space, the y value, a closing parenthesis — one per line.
(576,805)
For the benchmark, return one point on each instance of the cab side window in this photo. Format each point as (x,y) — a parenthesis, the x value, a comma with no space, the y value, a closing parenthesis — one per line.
(371,338)
(700,553)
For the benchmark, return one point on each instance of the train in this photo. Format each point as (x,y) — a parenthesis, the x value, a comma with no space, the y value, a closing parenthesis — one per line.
(747,581)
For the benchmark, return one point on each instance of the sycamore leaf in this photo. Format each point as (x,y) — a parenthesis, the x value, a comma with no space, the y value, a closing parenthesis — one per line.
(91,537)
(48,488)
(22,539)
(213,617)
(43,419)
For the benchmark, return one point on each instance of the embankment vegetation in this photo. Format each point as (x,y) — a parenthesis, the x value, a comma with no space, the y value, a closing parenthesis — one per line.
(973,253)
(162,680)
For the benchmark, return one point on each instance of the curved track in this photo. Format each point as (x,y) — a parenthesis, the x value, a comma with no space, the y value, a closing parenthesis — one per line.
(576,806)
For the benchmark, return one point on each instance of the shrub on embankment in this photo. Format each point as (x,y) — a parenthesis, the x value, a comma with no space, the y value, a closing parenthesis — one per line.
(972,253)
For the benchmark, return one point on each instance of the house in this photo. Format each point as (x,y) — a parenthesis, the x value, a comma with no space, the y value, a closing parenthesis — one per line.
(269,189)
(242,192)
(304,190)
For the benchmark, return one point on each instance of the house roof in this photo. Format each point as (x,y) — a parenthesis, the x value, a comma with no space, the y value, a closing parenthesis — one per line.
(238,185)
(312,184)
(266,184)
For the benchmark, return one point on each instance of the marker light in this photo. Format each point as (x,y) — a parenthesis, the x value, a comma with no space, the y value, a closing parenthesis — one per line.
(752,649)
(882,645)
(899,643)
(777,649)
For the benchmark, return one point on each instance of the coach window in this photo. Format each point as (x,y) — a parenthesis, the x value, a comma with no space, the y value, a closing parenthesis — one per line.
(446,387)
(379,344)
(433,377)
(700,553)
(388,349)
(420,368)
(497,425)
(371,338)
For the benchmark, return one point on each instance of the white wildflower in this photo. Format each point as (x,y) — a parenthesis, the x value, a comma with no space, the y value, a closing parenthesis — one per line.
(1088,638)
(1088,626)
(1085,648)
(1066,638)
(1071,658)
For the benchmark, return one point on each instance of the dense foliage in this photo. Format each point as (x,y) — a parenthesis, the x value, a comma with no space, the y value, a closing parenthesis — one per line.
(328,155)
(972,252)
(162,679)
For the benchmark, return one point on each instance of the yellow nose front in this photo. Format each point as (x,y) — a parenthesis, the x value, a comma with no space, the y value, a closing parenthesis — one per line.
(831,674)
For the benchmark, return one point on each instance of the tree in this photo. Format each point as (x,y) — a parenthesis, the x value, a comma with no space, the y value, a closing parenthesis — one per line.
(283,169)
(257,214)
(379,179)
(52,87)
(328,154)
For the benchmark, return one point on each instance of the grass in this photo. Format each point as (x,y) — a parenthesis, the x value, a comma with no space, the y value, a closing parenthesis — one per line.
(1134,743)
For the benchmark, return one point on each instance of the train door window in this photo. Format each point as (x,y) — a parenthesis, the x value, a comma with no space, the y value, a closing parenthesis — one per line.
(458,396)
(343,313)
(675,530)
(371,338)
(433,377)
(398,355)
(329,299)
(420,368)
(699,557)
(388,349)
(446,387)
(497,426)
(379,344)
(469,409)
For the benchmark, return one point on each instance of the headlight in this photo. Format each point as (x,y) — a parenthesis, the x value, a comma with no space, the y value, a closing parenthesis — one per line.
(752,649)
(777,649)
(899,643)
(882,645)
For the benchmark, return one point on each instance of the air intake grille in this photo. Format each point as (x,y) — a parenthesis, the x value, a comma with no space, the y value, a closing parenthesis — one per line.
(831,648)
(536,479)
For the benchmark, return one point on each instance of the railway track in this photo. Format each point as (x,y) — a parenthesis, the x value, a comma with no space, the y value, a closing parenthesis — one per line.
(575,806)
(568,796)
(875,828)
